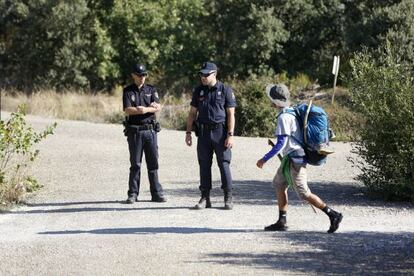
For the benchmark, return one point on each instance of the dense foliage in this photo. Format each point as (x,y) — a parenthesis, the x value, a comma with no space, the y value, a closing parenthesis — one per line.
(90,44)
(254,115)
(382,90)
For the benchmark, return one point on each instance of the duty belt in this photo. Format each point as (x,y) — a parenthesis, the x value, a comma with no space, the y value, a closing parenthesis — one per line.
(141,127)
(211,126)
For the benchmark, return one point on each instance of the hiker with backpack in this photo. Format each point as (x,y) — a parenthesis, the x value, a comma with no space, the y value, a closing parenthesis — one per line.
(295,154)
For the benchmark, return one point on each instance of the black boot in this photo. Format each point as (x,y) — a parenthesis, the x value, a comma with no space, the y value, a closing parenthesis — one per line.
(334,217)
(228,200)
(205,199)
(335,220)
(131,199)
(280,225)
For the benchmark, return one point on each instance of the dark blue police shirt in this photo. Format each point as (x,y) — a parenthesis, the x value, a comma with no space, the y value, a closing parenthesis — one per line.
(134,97)
(212,102)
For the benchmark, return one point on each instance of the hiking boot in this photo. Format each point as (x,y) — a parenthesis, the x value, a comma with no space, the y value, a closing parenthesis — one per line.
(131,199)
(205,199)
(159,199)
(335,221)
(278,226)
(228,201)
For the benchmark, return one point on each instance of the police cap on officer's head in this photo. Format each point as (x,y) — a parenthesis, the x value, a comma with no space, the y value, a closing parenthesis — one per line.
(139,69)
(208,68)
(278,94)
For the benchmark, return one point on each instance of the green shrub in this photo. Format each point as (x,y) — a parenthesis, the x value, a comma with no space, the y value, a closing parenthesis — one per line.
(382,91)
(16,154)
(254,115)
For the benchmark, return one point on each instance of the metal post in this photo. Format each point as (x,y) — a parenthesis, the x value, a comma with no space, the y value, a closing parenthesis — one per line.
(335,71)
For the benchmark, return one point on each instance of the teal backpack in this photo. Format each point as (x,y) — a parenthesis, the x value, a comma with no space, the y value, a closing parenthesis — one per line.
(314,124)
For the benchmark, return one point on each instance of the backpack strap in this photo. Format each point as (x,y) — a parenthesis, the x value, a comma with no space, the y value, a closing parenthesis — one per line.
(305,122)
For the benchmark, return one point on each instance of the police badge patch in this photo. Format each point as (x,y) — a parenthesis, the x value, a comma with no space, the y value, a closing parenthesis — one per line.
(133,98)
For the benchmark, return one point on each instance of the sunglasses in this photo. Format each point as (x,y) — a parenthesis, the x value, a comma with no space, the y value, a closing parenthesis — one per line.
(205,75)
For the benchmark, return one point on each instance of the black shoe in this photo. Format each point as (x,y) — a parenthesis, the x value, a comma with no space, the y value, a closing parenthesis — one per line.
(278,226)
(228,201)
(159,199)
(335,221)
(131,199)
(203,200)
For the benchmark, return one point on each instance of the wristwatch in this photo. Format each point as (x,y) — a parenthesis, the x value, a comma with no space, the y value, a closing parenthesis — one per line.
(188,132)
(230,133)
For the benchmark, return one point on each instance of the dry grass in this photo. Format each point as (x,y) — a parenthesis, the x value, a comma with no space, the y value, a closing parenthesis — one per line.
(68,105)
(99,108)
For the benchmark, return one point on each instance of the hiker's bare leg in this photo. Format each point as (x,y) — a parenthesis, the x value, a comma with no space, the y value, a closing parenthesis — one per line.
(282,198)
(315,201)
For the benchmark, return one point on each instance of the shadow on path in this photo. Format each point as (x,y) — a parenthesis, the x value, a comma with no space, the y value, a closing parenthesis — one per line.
(90,209)
(46,204)
(149,230)
(360,253)
(252,192)
(245,193)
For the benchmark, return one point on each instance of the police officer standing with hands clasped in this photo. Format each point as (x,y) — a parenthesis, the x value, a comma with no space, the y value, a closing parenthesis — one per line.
(140,102)
(212,110)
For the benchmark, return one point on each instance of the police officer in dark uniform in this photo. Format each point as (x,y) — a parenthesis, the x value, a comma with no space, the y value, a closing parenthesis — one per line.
(140,102)
(212,112)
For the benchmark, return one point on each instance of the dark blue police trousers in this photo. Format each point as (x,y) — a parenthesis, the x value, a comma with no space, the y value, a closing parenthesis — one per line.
(209,142)
(139,142)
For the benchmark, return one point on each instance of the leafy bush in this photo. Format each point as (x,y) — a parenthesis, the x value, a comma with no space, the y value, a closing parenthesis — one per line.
(254,115)
(382,91)
(16,154)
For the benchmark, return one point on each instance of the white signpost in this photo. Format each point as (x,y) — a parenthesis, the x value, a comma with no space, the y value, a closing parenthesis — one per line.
(335,71)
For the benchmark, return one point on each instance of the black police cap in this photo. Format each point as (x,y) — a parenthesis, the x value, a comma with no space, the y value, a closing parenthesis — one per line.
(139,69)
(208,67)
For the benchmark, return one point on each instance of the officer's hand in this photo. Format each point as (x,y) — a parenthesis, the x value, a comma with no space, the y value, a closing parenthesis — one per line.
(141,110)
(228,143)
(155,105)
(260,163)
(188,139)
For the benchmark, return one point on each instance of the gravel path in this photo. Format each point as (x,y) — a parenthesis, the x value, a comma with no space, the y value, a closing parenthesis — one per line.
(78,224)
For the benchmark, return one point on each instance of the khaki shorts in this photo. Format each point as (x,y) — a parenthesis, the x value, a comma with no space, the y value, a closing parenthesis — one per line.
(299,177)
